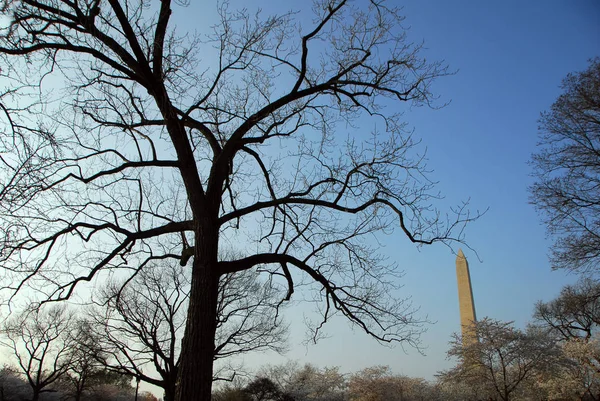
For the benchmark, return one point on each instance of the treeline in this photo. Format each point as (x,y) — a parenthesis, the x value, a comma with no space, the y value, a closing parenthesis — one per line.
(555,358)
(291,382)
(97,352)
(102,386)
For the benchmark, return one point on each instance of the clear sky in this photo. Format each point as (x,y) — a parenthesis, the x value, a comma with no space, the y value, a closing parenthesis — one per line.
(510,58)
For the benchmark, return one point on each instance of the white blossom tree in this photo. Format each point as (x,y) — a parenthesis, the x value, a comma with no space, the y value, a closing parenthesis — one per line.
(503,359)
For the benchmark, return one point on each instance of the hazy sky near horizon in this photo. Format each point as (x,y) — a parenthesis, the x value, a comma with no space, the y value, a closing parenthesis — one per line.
(509,58)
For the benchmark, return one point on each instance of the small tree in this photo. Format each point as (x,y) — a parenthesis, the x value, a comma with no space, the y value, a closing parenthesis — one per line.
(41,344)
(111,386)
(567,171)
(307,382)
(264,389)
(147,396)
(231,392)
(112,392)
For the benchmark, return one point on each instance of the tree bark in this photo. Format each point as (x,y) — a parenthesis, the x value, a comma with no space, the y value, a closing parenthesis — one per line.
(170,389)
(79,390)
(194,379)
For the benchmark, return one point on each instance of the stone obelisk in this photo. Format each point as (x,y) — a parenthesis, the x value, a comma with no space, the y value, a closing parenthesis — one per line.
(465,297)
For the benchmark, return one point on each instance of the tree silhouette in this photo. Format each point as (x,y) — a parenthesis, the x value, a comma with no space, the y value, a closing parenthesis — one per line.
(575,313)
(125,146)
(264,389)
(140,324)
(41,344)
(567,171)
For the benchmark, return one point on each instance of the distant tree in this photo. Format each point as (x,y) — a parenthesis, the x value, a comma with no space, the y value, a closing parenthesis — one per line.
(575,313)
(463,389)
(370,385)
(307,382)
(264,389)
(139,325)
(378,383)
(41,344)
(112,392)
(12,385)
(127,141)
(567,171)
(147,396)
(230,392)
(85,370)
(503,359)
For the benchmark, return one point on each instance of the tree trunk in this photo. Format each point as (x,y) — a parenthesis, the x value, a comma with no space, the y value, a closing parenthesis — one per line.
(194,379)
(78,390)
(170,383)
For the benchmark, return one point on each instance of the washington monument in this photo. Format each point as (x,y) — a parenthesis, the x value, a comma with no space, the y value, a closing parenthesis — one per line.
(465,295)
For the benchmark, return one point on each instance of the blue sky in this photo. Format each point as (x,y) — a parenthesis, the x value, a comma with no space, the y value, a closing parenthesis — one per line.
(510,58)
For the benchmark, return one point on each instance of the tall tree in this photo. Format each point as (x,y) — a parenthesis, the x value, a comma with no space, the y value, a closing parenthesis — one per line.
(567,171)
(129,141)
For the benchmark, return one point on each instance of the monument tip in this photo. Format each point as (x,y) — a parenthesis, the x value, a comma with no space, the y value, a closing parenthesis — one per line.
(460,253)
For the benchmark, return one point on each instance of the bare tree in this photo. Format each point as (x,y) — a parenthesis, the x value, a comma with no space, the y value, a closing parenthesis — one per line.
(567,171)
(125,146)
(140,324)
(575,313)
(40,342)
(85,371)
(503,358)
